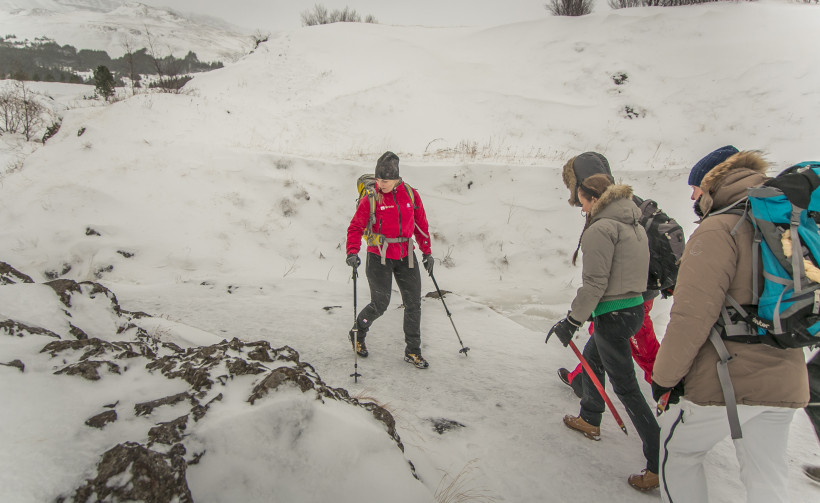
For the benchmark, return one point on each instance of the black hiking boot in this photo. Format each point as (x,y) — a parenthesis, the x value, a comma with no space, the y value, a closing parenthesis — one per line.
(417,360)
(563,374)
(575,384)
(360,346)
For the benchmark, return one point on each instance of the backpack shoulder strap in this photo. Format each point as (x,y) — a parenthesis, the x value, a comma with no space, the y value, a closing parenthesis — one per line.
(370,194)
(411,194)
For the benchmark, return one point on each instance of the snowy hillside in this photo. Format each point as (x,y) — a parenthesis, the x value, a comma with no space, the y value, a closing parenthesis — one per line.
(108,24)
(220,214)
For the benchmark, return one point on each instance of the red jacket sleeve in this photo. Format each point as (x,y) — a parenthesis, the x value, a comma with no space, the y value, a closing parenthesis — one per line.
(421,232)
(357,226)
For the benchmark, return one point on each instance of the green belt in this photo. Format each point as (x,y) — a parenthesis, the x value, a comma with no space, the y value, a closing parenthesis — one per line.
(614,305)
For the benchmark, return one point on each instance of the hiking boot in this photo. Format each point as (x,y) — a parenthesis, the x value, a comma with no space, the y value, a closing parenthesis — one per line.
(812,472)
(563,374)
(360,346)
(578,424)
(417,360)
(644,481)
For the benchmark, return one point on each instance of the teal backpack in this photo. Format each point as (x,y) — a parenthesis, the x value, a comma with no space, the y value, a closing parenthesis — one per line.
(785,212)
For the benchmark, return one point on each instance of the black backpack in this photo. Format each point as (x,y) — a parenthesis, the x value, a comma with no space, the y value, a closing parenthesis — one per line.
(666,243)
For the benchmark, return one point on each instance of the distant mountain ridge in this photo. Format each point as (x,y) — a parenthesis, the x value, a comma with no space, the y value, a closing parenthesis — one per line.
(109,24)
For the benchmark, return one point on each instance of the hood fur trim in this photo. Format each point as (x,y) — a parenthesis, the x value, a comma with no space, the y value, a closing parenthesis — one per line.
(748,159)
(611,194)
(570,181)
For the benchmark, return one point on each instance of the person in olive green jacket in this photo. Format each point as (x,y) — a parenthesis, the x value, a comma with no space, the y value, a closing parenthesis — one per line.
(769,383)
(615,253)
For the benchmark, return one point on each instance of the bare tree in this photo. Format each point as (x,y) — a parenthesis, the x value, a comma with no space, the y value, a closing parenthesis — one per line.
(10,116)
(133,76)
(32,110)
(167,68)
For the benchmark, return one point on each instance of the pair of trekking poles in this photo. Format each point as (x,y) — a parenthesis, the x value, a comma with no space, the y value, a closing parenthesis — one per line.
(355,375)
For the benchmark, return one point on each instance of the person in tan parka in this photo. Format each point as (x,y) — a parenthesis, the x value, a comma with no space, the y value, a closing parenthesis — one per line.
(769,383)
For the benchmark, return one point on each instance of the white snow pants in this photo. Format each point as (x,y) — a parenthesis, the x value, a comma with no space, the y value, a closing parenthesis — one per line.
(688,433)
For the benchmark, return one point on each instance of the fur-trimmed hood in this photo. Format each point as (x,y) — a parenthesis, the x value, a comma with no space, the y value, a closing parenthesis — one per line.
(616,203)
(727,182)
(581,167)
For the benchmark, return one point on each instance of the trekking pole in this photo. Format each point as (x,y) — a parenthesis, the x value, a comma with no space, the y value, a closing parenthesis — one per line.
(440,296)
(597,384)
(355,375)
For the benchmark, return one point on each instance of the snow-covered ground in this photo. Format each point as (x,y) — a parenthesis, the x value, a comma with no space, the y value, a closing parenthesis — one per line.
(222,213)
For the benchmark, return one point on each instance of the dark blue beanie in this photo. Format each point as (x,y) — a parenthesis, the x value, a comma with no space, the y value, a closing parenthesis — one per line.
(706,164)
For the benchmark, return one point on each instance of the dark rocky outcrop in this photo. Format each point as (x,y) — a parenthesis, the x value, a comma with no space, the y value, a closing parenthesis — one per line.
(156,470)
(10,276)
(101,419)
(133,472)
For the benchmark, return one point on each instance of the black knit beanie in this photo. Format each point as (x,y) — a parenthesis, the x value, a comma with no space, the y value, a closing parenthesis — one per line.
(387,167)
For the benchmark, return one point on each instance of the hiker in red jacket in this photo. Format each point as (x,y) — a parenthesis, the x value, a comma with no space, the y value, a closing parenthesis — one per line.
(398,217)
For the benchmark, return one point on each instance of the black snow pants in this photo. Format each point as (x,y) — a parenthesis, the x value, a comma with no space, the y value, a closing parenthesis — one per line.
(608,351)
(814,393)
(380,279)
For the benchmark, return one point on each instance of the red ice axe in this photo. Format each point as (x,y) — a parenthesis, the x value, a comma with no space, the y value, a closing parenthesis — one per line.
(597,384)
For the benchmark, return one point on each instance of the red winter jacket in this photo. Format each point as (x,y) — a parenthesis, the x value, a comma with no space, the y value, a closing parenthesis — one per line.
(395,217)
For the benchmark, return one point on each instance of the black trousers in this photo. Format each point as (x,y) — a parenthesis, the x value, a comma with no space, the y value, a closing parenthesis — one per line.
(380,279)
(814,393)
(608,351)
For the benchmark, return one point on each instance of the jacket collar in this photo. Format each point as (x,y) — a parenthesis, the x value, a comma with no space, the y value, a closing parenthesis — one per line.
(610,205)
(727,182)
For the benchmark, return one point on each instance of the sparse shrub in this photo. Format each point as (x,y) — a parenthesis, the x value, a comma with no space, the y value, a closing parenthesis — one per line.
(172,85)
(320,15)
(259,38)
(624,4)
(569,7)
(53,129)
(20,112)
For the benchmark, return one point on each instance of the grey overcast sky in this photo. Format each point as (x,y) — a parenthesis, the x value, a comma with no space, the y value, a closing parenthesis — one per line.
(270,15)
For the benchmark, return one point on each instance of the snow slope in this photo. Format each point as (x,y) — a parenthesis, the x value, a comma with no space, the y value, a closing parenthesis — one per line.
(108,25)
(222,212)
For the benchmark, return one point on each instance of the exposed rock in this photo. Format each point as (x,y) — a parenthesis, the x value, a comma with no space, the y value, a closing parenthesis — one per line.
(132,472)
(12,327)
(276,378)
(88,369)
(11,276)
(99,348)
(101,419)
(199,411)
(260,354)
(442,425)
(168,433)
(65,288)
(435,295)
(15,363)
(77,332)
(146,408)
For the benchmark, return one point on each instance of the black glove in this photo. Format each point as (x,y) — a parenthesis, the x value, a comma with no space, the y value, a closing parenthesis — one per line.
(353,260)
(675,392)
(428,261)
(564,329)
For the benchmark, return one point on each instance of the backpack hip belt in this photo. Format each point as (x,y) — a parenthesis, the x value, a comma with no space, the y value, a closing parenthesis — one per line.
(386,241)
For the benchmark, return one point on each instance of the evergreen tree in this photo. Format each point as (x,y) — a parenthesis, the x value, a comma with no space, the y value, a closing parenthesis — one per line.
(104,82)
